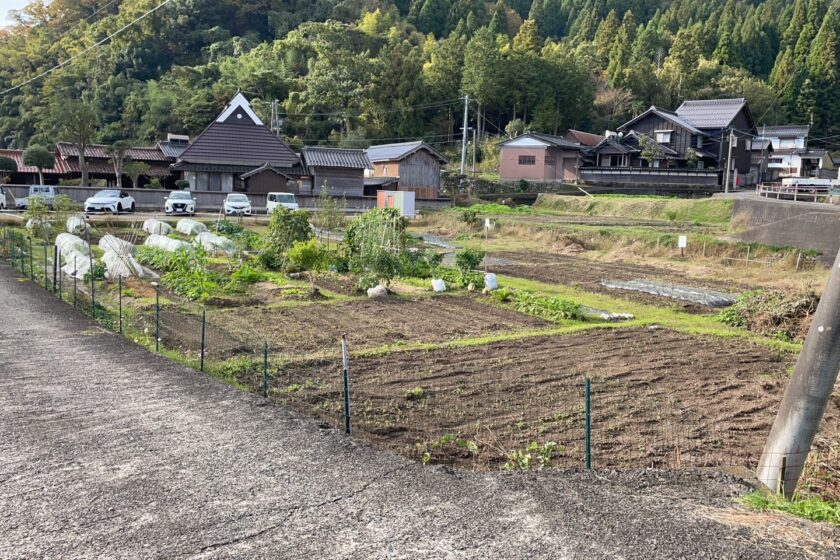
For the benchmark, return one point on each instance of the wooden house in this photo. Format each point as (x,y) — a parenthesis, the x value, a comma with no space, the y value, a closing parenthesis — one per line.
(686,146)
(415,165)
(341,169)
(236,148)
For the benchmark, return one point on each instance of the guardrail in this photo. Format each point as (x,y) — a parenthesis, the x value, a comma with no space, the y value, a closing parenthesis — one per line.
(796,194)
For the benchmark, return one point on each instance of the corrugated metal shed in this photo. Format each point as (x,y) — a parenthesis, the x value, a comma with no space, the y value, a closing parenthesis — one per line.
(711,113)
(397,152)
(315,156)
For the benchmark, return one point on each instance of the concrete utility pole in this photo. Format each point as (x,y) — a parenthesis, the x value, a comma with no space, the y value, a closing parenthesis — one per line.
(807,395)
(464,135)
(728,162)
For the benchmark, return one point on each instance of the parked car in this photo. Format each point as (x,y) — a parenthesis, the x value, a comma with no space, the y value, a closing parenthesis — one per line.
(237,203)
(179,202)
(2,198)
(286,200)
(110,200)
(44,192)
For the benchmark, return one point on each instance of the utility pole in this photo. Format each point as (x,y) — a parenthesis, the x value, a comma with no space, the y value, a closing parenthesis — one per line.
(807,395)
(728,162)
(464,134)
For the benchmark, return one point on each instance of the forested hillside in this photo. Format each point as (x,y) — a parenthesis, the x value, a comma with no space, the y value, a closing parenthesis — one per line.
(351,72)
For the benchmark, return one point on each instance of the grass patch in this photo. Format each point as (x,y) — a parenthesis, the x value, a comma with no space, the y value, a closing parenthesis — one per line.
(815,509)
(701,211)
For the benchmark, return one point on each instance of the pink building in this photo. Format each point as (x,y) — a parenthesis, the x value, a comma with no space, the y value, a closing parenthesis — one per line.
(544,158)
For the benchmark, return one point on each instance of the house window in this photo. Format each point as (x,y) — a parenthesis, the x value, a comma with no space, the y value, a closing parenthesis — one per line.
(214,182)
(656,163)
(787,143)
(616,161)
(551,160)
(527,160)
(700,142)
(663,136)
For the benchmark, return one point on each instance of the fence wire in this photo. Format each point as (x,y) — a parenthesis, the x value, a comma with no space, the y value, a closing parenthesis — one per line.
(458,406)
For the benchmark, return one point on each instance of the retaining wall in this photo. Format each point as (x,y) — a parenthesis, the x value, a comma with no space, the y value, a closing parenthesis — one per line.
(806,225)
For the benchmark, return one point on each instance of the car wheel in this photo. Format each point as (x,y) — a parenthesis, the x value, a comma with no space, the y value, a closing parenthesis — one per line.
(118,210)
(131,208)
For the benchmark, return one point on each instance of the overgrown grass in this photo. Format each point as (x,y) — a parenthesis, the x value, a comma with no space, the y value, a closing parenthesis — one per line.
(700,211)
(815,509)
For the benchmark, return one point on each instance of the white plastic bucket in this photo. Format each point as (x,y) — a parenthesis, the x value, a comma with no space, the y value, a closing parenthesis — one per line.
(490,281)
(438,285)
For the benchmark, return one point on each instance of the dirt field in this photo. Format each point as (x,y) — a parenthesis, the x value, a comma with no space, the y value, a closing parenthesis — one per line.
(302,330)
(659,398)
(587,274)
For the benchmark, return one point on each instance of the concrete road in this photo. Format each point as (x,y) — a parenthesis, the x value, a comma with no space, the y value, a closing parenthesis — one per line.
(108,451)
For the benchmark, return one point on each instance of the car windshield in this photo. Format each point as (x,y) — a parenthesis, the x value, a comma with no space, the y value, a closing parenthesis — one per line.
(285,198)
(180,196)
(41,189)
(237,198)
(107,194)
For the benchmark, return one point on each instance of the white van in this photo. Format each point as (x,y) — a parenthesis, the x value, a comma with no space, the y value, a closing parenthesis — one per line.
(286,200)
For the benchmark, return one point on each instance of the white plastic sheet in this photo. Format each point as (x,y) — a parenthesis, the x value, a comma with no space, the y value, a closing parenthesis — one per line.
(77,225)
(124,266)
(68,243)
(438,285)
(190,227)
(156,226)
(215,244)
(116,245)
(167,243)
(76,264)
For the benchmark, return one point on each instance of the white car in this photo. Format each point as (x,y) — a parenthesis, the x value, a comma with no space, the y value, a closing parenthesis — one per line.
(109,200)
(179,202)
(286,200)
(236,203)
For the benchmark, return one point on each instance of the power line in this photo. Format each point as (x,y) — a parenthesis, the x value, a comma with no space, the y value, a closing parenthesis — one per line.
(357,112)
(88,49)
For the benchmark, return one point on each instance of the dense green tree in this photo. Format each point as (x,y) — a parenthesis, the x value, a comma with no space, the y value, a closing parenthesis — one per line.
(40,158)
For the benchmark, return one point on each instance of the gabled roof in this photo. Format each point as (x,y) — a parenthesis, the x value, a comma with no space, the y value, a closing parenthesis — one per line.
(556,141)
(629,143)
(665,114)
(584,138)
(316,156)
(237,110)
(711,114)
(397,152)
(17,157)
(287,172)
(239,142)
(762,144)
(785,131)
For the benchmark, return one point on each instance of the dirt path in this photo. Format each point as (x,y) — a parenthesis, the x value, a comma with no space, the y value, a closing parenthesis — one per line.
(107,451)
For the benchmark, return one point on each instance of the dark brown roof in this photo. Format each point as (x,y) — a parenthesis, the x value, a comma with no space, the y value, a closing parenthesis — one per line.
(315,156)
(583,138)
(239,143)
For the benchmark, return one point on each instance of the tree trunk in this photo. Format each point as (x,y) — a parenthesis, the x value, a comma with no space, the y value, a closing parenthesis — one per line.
(40,176)
(83,168)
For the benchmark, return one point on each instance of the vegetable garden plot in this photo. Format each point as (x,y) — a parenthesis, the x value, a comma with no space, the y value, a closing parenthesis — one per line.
(316,328)
(659,399)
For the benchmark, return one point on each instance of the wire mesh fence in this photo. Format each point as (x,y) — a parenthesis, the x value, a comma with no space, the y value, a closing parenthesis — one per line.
(476,406)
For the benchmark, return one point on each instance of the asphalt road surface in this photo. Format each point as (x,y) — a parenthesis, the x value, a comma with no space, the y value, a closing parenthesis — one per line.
(108,451)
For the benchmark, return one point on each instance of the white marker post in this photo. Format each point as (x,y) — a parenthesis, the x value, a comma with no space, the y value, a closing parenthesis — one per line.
(682,243)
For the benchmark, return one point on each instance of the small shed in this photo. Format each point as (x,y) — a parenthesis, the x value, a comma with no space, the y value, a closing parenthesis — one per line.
(342,169)
(415,165)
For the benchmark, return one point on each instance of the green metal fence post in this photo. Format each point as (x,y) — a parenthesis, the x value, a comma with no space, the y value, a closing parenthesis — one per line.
(55,267)
(203,323)
(75,279)
(119,290)
(14,252)
(157,316)
(587,421)
(31,262)
(346,374)
(92,287)
(265,369)
(46,274)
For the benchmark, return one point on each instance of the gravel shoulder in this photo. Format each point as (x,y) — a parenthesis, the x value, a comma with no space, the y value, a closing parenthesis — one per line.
(108,451)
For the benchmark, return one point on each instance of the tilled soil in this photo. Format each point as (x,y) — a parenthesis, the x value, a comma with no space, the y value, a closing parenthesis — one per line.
(587,274)
(302,330)
(659,399)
